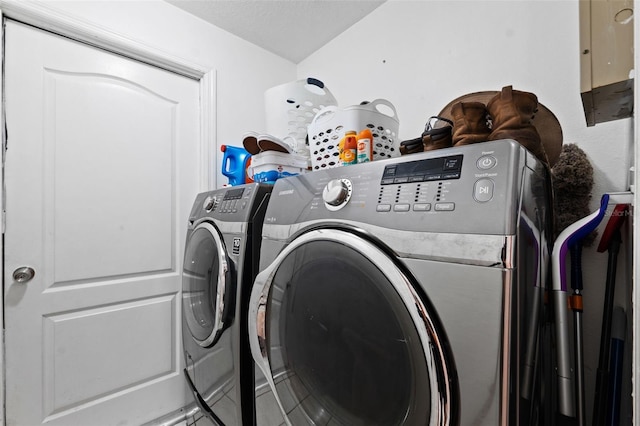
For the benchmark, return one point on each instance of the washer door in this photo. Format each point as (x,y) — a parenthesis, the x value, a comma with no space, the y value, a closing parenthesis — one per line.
(343,337)
(206,302)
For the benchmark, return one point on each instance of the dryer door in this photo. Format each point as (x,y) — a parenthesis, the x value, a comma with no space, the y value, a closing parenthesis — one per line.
(206,304)
(342,336)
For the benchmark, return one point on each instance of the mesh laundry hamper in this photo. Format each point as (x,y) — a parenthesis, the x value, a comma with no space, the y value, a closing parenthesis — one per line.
(331,123)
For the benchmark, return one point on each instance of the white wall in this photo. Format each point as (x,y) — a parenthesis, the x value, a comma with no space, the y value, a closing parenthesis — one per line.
(244,71)
(420,55)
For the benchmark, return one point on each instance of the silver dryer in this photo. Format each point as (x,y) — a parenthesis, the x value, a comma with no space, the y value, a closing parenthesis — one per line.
(405,291)
(223,239)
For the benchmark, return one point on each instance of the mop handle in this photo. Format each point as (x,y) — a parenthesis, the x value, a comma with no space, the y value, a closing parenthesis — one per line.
(601,394)
(576,267)
(572,235)
(619,325)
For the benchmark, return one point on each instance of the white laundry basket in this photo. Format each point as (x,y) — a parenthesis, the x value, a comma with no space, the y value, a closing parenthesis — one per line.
(330,124)
(290,107)
(269,166)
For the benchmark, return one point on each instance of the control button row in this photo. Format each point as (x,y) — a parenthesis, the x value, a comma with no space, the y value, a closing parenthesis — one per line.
(417,207)
(231,206)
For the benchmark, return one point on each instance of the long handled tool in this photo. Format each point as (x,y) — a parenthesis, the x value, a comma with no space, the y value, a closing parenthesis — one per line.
(618,332)
(576,306)
(570,237)
(610,242)
(573,182)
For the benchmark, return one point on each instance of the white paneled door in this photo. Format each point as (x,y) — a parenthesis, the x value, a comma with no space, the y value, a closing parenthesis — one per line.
(102,166)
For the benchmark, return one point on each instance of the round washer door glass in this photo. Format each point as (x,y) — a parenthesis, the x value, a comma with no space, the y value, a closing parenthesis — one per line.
(342,345)
(203,280)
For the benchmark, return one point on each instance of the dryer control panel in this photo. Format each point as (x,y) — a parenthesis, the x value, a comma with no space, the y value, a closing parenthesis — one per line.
(468,189)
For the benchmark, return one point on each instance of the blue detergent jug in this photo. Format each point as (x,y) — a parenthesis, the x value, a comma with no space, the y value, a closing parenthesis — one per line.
(234,164)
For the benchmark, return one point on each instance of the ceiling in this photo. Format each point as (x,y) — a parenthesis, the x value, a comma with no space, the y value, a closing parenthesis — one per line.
(292,29)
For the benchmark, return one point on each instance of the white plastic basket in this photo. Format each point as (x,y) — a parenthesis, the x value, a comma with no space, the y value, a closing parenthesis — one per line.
(290,107)
(331,123)
(269,166)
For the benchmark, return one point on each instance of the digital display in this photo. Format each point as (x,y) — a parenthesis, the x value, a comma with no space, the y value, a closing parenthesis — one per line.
(442,168)
(233,194)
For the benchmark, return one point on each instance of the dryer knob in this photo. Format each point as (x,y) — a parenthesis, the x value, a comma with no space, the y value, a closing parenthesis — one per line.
(336,192)
(210,204)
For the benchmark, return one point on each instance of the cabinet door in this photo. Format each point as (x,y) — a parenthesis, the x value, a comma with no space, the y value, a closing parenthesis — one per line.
(606,59)
(101,170)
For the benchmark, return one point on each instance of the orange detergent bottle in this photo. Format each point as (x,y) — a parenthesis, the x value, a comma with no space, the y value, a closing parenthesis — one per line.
(350,150)
(365,146)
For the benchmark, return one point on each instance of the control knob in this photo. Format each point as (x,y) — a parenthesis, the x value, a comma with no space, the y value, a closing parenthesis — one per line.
(337,193)
(210,204)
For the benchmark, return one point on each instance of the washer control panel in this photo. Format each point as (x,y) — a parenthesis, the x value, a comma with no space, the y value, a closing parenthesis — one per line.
(448,190)
(419,185)
(232,200)
(225,201)
(428,185)
(231,204)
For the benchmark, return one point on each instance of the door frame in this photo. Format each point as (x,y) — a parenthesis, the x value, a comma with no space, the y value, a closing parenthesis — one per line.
(45,17)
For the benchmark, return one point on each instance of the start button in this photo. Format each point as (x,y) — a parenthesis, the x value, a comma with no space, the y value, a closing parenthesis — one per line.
(483,190)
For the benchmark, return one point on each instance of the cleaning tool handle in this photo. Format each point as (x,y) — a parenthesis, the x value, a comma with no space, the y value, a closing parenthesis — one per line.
(616,220)
(601,395)
(579,367)
(576,267)
(566,402)
(569,237)
(618,332)
(603,375)
(609,293)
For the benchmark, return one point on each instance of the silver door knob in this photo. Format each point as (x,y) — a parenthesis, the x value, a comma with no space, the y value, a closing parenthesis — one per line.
(23,274)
